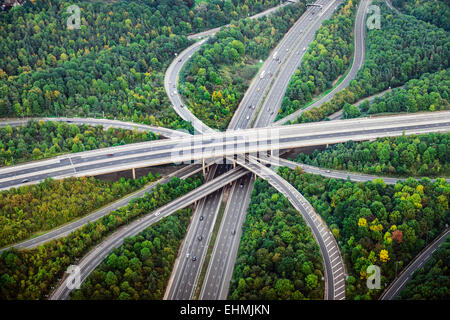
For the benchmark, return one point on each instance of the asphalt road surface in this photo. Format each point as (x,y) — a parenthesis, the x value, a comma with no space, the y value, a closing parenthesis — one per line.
(399,283)
(211,146)
(358,60)
(91,260)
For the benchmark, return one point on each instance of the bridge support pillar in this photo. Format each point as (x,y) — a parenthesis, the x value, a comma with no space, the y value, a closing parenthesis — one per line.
(134,173)
(234,164)
(203,168)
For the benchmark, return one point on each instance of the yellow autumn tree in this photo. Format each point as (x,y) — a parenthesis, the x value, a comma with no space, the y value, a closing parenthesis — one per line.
(362,222)
(384,255)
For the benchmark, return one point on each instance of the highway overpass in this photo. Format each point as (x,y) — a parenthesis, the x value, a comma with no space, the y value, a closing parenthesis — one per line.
(221,144)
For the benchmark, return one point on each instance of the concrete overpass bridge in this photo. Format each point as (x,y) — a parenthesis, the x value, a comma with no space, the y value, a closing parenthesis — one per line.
(210,146)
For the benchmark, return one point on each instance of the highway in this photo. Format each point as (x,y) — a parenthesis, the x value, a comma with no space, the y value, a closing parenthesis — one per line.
(210,146)
(275,95)
(330,173)
(186,271)
(275,69)
(95,256)
(220,270)
(358,60)
(185,274)
(221,144)
(66,229)
(418,262)
(221,265)
(168,133)
(172,73)
(334,268)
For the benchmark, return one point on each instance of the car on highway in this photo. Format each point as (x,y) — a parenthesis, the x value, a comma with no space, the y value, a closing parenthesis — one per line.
(201,218)
(241,185)
(233,232)
(110,154)
(250,106)
(259,88)
(187,255)
(328,171)
(200,238)
(304,49)
(179,60)
(25,180)
(271,113)
(181,106)
(248,117)
(194,258)
(157,213)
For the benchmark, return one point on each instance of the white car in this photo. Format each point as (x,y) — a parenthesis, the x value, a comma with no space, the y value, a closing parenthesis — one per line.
(157,213)
(248,117)
(304,49)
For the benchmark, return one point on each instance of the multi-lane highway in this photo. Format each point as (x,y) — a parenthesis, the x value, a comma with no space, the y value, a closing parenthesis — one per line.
(334,268)
(419,261)
(287,53)
(191,257)
(275,69)
(222,144)
(173,71)
(66,229)
(358,60)
(258,108)
(90,261)
(185,274)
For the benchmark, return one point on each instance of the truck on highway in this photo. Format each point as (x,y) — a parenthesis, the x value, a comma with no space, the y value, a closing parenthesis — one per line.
(262,74)
(275,55)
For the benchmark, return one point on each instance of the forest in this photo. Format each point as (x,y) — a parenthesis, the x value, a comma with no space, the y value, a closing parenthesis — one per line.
(215,79)
(432,281)
(278,257)
(436,12)
(31,274)
(113,66)
(140,268)
(328,57)
(38,140)
(375,223)
(37,208)
(429,93)
(415,155)
(396,53)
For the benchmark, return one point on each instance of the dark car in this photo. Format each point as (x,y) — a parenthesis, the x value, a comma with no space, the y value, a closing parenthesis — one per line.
(200,238)
(25,180)
(233,232)
(194,258)
(201,218)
